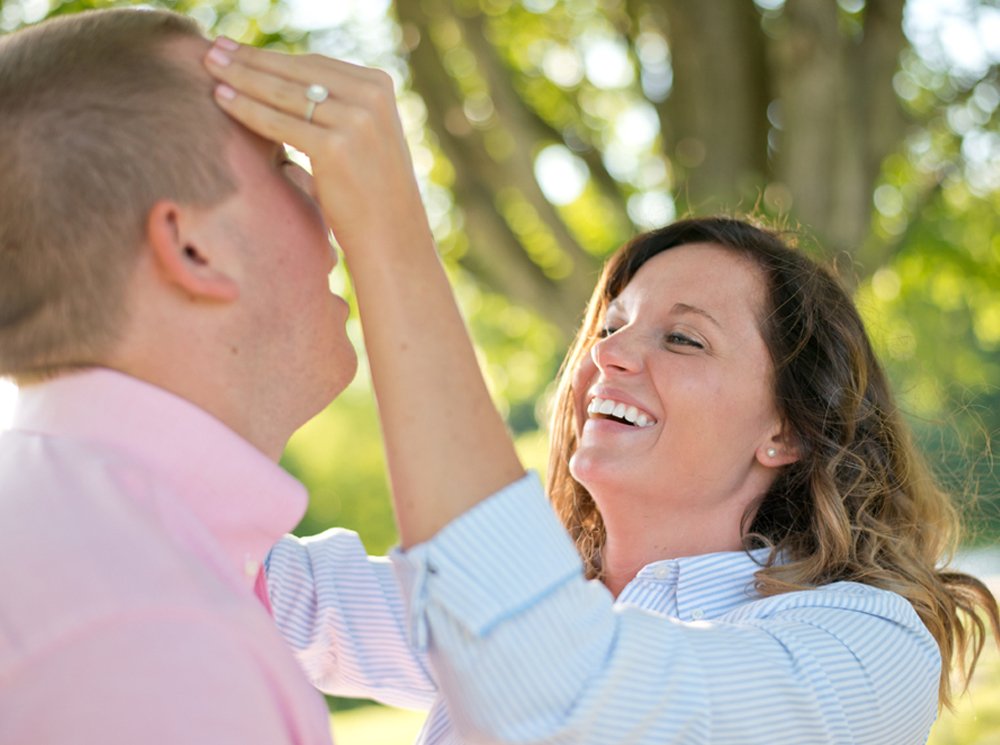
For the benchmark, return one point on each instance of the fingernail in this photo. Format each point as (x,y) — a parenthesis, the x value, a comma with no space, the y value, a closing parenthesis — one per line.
(224,91)
(224,42)
(219,57)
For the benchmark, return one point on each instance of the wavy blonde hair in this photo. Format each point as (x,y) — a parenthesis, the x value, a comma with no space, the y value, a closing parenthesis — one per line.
(861,504)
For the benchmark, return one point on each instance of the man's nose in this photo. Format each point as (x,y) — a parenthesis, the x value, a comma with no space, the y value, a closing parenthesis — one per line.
(304,179)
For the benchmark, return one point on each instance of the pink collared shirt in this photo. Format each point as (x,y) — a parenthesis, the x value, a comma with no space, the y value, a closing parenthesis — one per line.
(132,530)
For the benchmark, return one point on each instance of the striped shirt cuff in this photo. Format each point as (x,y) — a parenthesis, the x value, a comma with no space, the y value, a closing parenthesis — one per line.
(489,563)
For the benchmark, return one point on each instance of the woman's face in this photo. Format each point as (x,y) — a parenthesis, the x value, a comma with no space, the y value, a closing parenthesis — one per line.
(684,364)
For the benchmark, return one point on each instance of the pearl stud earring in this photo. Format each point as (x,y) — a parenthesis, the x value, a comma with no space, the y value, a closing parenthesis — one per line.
(771,452)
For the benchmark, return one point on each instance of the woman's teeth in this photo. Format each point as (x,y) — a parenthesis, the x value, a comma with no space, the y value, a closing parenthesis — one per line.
(617,410)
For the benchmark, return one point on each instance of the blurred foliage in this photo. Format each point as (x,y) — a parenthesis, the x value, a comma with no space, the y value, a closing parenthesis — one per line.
(259,22)
(933,308)
(975,719)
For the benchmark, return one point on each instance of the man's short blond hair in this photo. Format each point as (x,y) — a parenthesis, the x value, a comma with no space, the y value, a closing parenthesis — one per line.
(97,123)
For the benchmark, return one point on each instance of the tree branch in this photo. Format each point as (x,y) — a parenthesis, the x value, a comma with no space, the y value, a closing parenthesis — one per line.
(495,254)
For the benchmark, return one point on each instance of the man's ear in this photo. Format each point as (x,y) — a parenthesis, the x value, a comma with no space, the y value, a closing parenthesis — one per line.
(778,449)
(183,256)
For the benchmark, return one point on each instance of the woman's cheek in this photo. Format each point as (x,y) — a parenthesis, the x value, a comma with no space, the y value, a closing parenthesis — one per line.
(583,374)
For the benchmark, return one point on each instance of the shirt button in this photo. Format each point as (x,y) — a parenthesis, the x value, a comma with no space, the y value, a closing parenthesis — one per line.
(251,568)
(661,572)
(697,614)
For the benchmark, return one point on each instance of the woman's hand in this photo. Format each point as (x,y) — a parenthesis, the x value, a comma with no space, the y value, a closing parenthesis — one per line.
(361,163)
(446,446)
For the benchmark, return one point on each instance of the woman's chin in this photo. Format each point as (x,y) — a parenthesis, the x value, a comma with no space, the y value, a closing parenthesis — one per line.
(595,472)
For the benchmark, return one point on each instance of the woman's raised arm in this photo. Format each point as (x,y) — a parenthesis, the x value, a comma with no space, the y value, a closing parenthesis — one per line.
(446,445)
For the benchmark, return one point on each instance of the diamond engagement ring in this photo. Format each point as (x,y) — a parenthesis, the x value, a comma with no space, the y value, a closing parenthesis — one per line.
(316,93)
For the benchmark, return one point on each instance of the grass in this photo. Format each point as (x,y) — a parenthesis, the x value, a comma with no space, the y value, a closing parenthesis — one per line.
(976,718)
(376,725)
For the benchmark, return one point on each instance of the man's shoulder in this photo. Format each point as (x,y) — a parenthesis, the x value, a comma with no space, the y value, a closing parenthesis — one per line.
(68,503)
(83,544)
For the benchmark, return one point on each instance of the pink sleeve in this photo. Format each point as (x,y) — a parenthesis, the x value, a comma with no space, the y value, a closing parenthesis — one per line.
(150,681)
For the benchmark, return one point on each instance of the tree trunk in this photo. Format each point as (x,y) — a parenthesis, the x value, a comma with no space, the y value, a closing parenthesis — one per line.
(840,116)
(486,178)
(835,119)
(714,121)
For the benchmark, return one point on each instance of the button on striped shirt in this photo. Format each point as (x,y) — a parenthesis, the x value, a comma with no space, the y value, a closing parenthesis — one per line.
(509,643)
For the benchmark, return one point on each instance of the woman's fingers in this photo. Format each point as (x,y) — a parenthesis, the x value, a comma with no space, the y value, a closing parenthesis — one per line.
(344,80)
(301,67)
(283,94)
(352,146)
(265,120)
(361,164)
(334,136)
(281,81)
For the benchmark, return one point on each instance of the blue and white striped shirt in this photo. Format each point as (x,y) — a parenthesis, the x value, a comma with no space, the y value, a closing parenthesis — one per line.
(512,645)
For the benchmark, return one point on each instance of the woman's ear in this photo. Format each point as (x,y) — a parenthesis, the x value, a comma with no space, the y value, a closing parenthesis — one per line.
(184,256)
(777,450)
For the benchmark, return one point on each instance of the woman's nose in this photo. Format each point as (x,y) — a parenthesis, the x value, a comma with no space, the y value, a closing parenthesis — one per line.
(616,353)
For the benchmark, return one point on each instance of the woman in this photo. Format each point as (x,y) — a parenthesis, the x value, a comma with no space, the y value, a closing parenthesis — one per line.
(727,459)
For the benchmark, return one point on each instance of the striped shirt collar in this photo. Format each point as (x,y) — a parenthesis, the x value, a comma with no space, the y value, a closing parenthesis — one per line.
(696,588)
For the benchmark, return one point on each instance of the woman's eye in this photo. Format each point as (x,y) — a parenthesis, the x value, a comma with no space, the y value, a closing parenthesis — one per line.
(605,332)
(684,341)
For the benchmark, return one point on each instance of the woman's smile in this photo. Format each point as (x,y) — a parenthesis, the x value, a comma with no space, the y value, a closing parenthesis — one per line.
(616,407)
(681,342)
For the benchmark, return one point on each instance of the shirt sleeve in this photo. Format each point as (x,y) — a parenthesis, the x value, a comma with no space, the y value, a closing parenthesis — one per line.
(527,651)
(343,614)
(179,677)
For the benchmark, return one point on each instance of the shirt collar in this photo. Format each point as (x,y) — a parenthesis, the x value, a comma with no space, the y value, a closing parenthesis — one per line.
(244,499)
(702,587)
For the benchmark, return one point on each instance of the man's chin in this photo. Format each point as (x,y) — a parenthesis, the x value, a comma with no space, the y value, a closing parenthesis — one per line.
(344,370)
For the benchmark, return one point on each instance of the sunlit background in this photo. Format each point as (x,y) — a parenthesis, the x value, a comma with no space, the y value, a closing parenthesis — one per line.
(545,133)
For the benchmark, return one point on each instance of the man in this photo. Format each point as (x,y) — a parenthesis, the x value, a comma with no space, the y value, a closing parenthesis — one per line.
(164,307)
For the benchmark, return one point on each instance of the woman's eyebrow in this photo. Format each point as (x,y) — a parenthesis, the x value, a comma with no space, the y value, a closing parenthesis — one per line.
(685,308)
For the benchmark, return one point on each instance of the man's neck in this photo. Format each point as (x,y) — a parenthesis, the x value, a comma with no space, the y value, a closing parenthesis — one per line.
(216,393)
